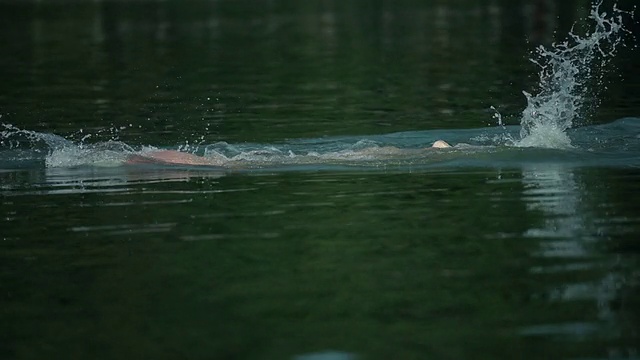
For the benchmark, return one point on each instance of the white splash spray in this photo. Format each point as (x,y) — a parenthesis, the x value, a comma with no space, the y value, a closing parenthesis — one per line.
(12,137)
(566,71)
(61,152)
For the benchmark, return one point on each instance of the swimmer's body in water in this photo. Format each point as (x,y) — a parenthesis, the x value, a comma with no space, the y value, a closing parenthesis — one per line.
(181,158)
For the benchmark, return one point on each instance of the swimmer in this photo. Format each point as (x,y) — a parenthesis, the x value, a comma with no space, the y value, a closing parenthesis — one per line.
(173,157)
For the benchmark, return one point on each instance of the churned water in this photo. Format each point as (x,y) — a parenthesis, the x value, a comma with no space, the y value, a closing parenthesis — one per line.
(327,228)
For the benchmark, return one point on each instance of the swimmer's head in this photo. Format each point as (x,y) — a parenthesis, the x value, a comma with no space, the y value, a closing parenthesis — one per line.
(441,144)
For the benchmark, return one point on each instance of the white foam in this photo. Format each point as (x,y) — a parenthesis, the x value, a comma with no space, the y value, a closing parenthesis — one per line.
(546,136)
(72,156)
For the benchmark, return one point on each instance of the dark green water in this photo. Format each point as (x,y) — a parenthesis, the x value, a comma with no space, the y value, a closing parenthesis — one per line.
(516,253)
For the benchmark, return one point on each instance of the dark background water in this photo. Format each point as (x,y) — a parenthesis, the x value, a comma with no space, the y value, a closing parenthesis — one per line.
(269,70)
(532,260)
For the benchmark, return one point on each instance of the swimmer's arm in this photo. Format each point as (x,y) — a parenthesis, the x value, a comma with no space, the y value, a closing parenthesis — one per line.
(169,157)
(181,158)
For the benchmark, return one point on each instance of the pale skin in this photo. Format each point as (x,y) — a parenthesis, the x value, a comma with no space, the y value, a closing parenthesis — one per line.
(181,158)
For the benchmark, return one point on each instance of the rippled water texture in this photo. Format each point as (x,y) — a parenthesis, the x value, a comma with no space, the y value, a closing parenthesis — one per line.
(330,231)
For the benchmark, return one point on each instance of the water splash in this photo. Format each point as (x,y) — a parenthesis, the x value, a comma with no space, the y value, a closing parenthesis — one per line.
(58,151)
(566,71)
(14,138)
(103,154)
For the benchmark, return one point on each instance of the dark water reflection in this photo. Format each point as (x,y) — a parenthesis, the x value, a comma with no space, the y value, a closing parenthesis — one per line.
(537,262)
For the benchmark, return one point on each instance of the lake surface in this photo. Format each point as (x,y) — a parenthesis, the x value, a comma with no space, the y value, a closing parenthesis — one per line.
(319,244)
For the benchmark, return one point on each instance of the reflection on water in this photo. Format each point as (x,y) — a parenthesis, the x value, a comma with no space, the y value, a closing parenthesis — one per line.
(552,189)
(571,238)
(320,263)
(490,249)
